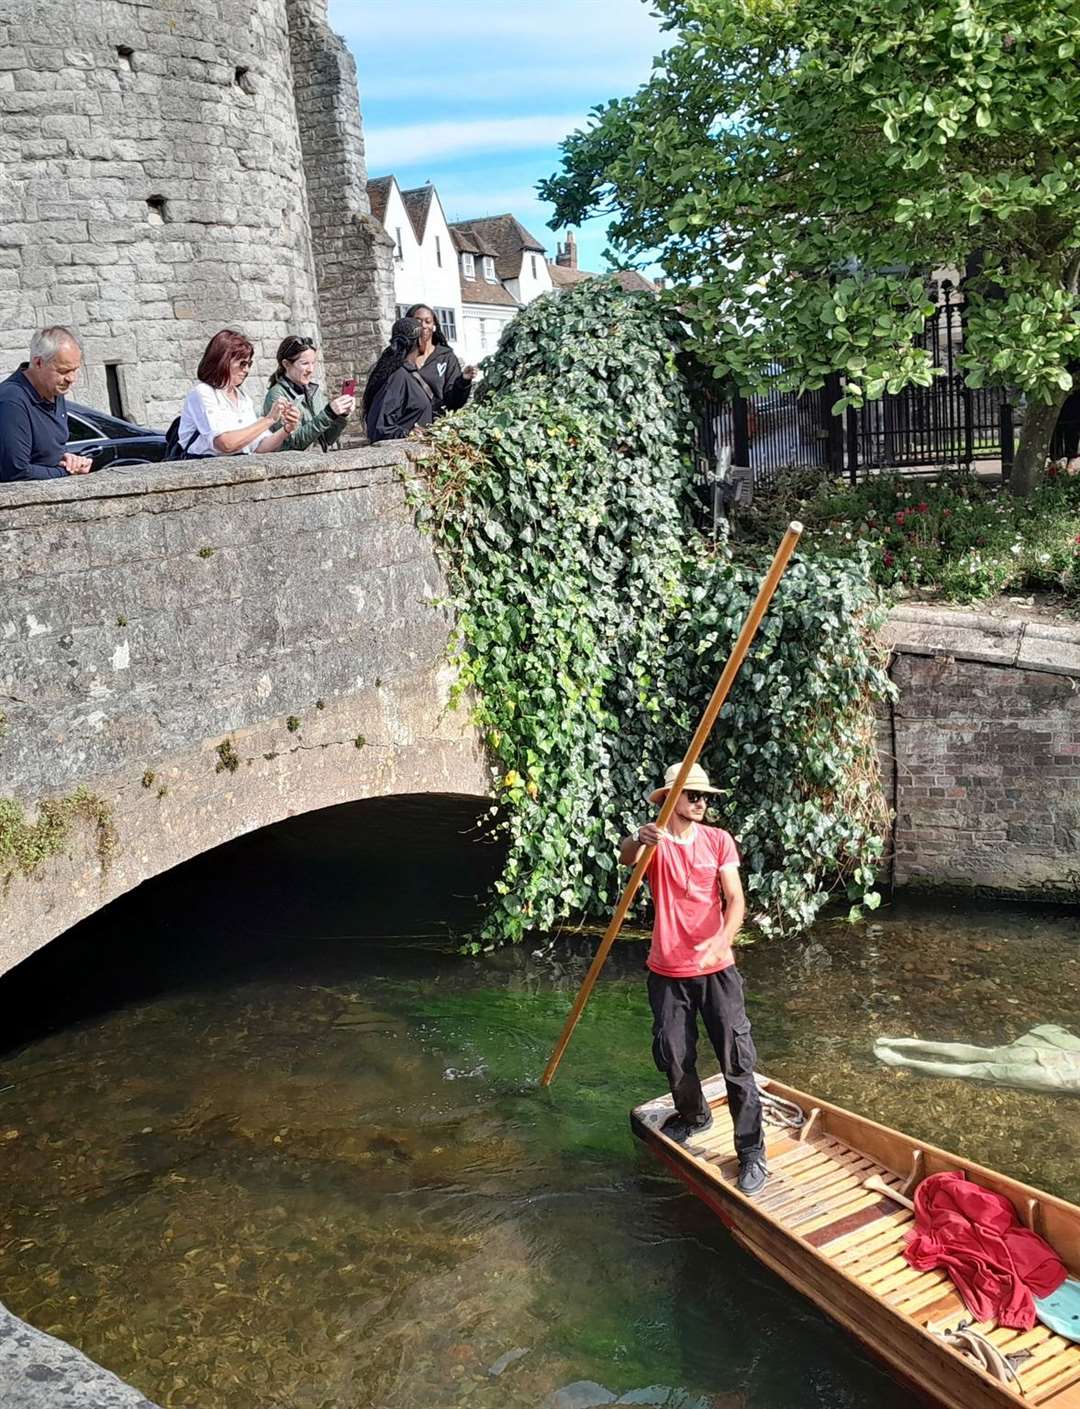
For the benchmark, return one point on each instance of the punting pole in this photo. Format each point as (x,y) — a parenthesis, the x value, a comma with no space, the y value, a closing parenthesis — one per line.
(697,743)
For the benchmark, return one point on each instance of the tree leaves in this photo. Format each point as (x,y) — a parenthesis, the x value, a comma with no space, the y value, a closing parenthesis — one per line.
(781,149)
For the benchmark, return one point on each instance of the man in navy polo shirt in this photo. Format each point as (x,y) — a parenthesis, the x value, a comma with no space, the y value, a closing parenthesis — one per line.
(33,412)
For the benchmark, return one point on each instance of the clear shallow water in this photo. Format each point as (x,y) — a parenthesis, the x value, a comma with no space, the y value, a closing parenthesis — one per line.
(290,1167)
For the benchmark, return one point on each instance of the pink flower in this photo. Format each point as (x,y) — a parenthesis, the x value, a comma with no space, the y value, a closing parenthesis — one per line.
(888,559)
(923,508)
(901,516)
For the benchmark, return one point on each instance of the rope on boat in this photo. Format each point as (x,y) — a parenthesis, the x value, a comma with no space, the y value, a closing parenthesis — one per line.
(775,1110)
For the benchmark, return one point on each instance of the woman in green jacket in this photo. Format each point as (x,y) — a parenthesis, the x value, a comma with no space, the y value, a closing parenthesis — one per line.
(320,420)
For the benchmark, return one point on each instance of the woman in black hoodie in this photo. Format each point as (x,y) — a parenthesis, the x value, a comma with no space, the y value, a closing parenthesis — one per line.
(438,364)
(397,399)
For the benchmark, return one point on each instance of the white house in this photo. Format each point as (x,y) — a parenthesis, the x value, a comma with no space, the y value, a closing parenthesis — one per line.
(503,268)
(425,259)
(475,274)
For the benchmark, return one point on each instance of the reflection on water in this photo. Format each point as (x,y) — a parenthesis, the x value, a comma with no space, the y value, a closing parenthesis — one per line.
(286,1168)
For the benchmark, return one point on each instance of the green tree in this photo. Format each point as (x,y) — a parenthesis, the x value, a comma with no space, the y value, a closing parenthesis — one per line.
(801,167)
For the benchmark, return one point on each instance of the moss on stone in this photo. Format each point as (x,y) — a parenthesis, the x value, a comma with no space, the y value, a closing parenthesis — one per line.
(228,758)
(25,845)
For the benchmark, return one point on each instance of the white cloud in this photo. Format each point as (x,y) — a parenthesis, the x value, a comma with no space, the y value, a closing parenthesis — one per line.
(413,143)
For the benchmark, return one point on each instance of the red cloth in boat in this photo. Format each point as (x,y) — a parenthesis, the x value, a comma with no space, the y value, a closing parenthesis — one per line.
(998,1265)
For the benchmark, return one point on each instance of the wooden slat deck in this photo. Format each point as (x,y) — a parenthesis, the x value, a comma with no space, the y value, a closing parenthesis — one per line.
(816,1192)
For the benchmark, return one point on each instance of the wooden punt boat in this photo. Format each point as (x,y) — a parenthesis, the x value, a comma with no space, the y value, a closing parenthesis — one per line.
(819,1227)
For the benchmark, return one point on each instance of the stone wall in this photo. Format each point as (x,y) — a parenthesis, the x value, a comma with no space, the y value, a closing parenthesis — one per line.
(210,647)
(153,190)
(353,253)
(981,754)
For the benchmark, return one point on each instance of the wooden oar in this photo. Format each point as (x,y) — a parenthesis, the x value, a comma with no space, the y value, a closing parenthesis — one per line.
(697,743)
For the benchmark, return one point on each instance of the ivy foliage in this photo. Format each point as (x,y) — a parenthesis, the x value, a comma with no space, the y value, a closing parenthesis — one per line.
(593,622)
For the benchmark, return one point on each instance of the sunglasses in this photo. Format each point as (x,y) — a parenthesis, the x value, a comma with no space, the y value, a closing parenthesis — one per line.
(696,797)
(295,348)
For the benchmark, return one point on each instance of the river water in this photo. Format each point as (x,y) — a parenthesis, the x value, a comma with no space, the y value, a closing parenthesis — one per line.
(277,1143)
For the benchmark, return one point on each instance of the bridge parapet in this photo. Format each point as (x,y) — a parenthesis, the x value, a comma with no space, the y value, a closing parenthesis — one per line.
(192,651)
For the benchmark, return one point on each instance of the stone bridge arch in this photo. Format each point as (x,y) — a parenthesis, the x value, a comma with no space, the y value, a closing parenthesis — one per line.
(191,652)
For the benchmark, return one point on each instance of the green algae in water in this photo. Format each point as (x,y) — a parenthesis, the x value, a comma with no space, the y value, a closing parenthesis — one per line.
(336,1181)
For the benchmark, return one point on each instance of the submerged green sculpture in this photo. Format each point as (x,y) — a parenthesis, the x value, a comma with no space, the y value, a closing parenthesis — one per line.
(1045,1059)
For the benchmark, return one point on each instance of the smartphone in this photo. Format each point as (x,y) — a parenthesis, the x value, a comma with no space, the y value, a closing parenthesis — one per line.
(348,388)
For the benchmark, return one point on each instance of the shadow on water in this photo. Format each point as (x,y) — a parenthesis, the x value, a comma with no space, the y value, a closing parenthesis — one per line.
(269,1139)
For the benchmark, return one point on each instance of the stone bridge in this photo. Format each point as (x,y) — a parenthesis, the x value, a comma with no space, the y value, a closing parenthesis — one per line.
(192,651)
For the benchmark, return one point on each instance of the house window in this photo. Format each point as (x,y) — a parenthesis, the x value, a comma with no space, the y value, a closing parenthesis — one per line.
(438,252)
(489,269)
(399,253)
(468,266)
(532,262)
(448,323)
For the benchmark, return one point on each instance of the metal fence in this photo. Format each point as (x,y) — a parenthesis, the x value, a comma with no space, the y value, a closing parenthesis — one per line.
(945,423)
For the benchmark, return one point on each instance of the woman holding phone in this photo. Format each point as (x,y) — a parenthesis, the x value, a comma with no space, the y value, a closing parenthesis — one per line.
(438,364)
(291,384)
(218,417)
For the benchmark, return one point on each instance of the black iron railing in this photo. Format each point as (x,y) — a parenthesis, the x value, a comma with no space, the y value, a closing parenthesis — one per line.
(946,423)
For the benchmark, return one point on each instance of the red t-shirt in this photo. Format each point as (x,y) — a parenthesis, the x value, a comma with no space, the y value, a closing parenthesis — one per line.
(684,877)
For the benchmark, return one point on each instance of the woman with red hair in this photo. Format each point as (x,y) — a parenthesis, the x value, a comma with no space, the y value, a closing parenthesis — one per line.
(218,416)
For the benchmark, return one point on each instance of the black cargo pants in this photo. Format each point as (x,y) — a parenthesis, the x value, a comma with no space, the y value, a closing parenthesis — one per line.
(676,1003)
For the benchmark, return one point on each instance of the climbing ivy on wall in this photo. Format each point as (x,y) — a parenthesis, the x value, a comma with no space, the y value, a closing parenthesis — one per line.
(593,621)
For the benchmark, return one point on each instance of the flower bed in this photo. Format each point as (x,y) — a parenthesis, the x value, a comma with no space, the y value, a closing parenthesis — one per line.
(958,535)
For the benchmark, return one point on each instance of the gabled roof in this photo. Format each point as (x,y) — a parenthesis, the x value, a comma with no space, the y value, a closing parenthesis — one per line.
(379,195)
(564,278)
(628,279)
(418,204)
(633,282)
(468,241)
(506,238)
(480,291)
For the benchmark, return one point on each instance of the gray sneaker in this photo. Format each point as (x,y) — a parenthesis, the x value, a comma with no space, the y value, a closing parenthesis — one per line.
(753,1171)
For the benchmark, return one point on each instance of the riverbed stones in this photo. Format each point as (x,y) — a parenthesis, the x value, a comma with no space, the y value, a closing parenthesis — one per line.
(39,1372)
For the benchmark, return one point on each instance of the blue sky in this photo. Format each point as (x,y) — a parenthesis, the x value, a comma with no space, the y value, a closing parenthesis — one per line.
(475,95)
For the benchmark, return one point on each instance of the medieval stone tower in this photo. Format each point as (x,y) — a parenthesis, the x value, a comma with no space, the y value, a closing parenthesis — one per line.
(171,168)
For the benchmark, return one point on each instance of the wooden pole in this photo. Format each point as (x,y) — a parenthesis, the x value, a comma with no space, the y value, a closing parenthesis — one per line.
(697,743)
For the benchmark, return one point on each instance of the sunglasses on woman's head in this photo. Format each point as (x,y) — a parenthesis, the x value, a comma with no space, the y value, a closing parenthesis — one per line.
(296,347)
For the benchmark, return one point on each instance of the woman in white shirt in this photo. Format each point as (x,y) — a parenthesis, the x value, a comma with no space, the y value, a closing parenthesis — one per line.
(218,417)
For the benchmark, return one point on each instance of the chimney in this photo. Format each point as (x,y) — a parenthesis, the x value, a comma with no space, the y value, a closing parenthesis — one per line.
(566,255)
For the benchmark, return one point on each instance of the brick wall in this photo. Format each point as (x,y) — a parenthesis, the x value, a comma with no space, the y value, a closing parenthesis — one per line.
(981,753)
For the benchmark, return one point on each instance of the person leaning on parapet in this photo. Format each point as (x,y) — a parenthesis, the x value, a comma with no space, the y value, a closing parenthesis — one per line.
(320,420)
(33,411)
(437,363)
(698,907)
(396,398)
(218,416)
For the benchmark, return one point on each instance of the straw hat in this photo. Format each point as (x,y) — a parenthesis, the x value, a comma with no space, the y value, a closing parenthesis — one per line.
(697,781)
